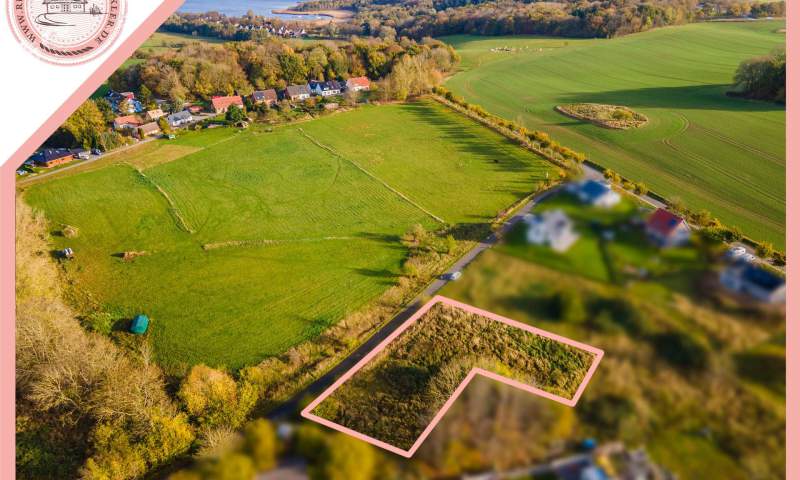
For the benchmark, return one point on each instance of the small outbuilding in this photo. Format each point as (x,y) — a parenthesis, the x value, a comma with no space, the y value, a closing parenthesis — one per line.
(139,324)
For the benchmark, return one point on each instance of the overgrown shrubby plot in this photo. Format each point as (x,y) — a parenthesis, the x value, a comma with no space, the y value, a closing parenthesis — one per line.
(395,397)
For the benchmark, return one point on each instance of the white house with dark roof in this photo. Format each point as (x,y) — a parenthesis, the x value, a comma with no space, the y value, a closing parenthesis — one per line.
(297,92)
(552,228)
(179,118)
(596,193)
(325,89)
(758,283)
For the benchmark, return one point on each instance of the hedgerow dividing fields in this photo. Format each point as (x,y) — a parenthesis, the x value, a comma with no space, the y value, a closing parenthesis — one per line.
(256,241)
(714,152)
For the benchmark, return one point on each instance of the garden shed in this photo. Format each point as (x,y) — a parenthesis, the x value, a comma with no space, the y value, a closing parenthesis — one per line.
(139,324)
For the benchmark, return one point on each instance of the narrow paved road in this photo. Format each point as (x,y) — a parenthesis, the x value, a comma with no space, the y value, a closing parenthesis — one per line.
(93,159)
(292,406)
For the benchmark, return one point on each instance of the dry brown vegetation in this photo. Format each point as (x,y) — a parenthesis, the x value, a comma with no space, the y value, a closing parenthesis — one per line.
(395,397)
(107,406)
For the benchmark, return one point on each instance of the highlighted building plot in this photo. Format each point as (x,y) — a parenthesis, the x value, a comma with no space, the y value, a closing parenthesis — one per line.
(395,396)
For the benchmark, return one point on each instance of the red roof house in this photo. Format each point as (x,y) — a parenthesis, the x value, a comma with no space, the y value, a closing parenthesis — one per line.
(358,83)
(127,121)
(667,229)
(221,104)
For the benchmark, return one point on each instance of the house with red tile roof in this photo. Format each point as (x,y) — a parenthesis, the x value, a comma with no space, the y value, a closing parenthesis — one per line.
(221,104)
(127,122)
(667,229)
(357,84)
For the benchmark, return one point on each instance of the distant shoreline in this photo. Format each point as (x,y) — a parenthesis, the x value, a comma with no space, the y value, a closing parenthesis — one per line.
(336,15)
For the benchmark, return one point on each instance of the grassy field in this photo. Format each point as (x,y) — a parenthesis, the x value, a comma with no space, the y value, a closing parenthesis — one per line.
(256,241)
(723,154)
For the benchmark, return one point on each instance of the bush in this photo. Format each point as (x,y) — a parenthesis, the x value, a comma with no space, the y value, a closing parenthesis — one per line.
(620,114)
(765,250)
(261,444)
(682,350)
(343,458)
(570,306)
(211,397)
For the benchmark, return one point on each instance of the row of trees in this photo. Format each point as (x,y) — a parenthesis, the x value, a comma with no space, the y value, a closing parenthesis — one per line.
(199,71)
(87,127)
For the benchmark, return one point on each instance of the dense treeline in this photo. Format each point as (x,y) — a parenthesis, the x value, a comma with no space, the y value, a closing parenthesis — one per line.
(389,19)
(199,71)
(763,78)
(741,8)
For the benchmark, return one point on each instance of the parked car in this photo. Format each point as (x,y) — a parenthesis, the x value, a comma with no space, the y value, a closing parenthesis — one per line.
(97,151)
(82,155)
(736,252)
(452,276)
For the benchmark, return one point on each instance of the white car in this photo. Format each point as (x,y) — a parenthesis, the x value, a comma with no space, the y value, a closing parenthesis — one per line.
(748,257)
(453,276)
(736,252)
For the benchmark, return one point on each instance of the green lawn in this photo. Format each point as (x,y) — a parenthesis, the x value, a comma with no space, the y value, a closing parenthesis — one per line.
(723,154)
(304,236)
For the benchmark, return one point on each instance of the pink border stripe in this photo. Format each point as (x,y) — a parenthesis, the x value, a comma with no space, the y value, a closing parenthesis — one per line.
(7,214)
(598,355)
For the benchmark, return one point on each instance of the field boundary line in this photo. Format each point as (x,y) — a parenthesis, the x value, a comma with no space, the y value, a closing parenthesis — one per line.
(371,175)
(173,207)
(267,242)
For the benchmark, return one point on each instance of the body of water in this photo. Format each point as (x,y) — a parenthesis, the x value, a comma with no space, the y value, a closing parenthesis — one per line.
(235,8)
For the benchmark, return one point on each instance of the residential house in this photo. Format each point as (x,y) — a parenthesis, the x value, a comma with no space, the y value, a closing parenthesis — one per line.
(552,228)
(763,285)
(153,115)
(666,229)
(297,92)
(149,129)
(221,104)
(127,122)
(356,84)
(597,194)
(267,97)
(179,118)
(325,89)
(50,157)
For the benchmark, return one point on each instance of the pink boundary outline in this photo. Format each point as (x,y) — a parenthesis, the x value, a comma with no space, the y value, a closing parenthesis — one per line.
(598,355)
(118,54)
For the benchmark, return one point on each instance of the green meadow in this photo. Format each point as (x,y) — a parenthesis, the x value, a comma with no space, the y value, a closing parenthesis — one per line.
(712,151)
(254,241)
